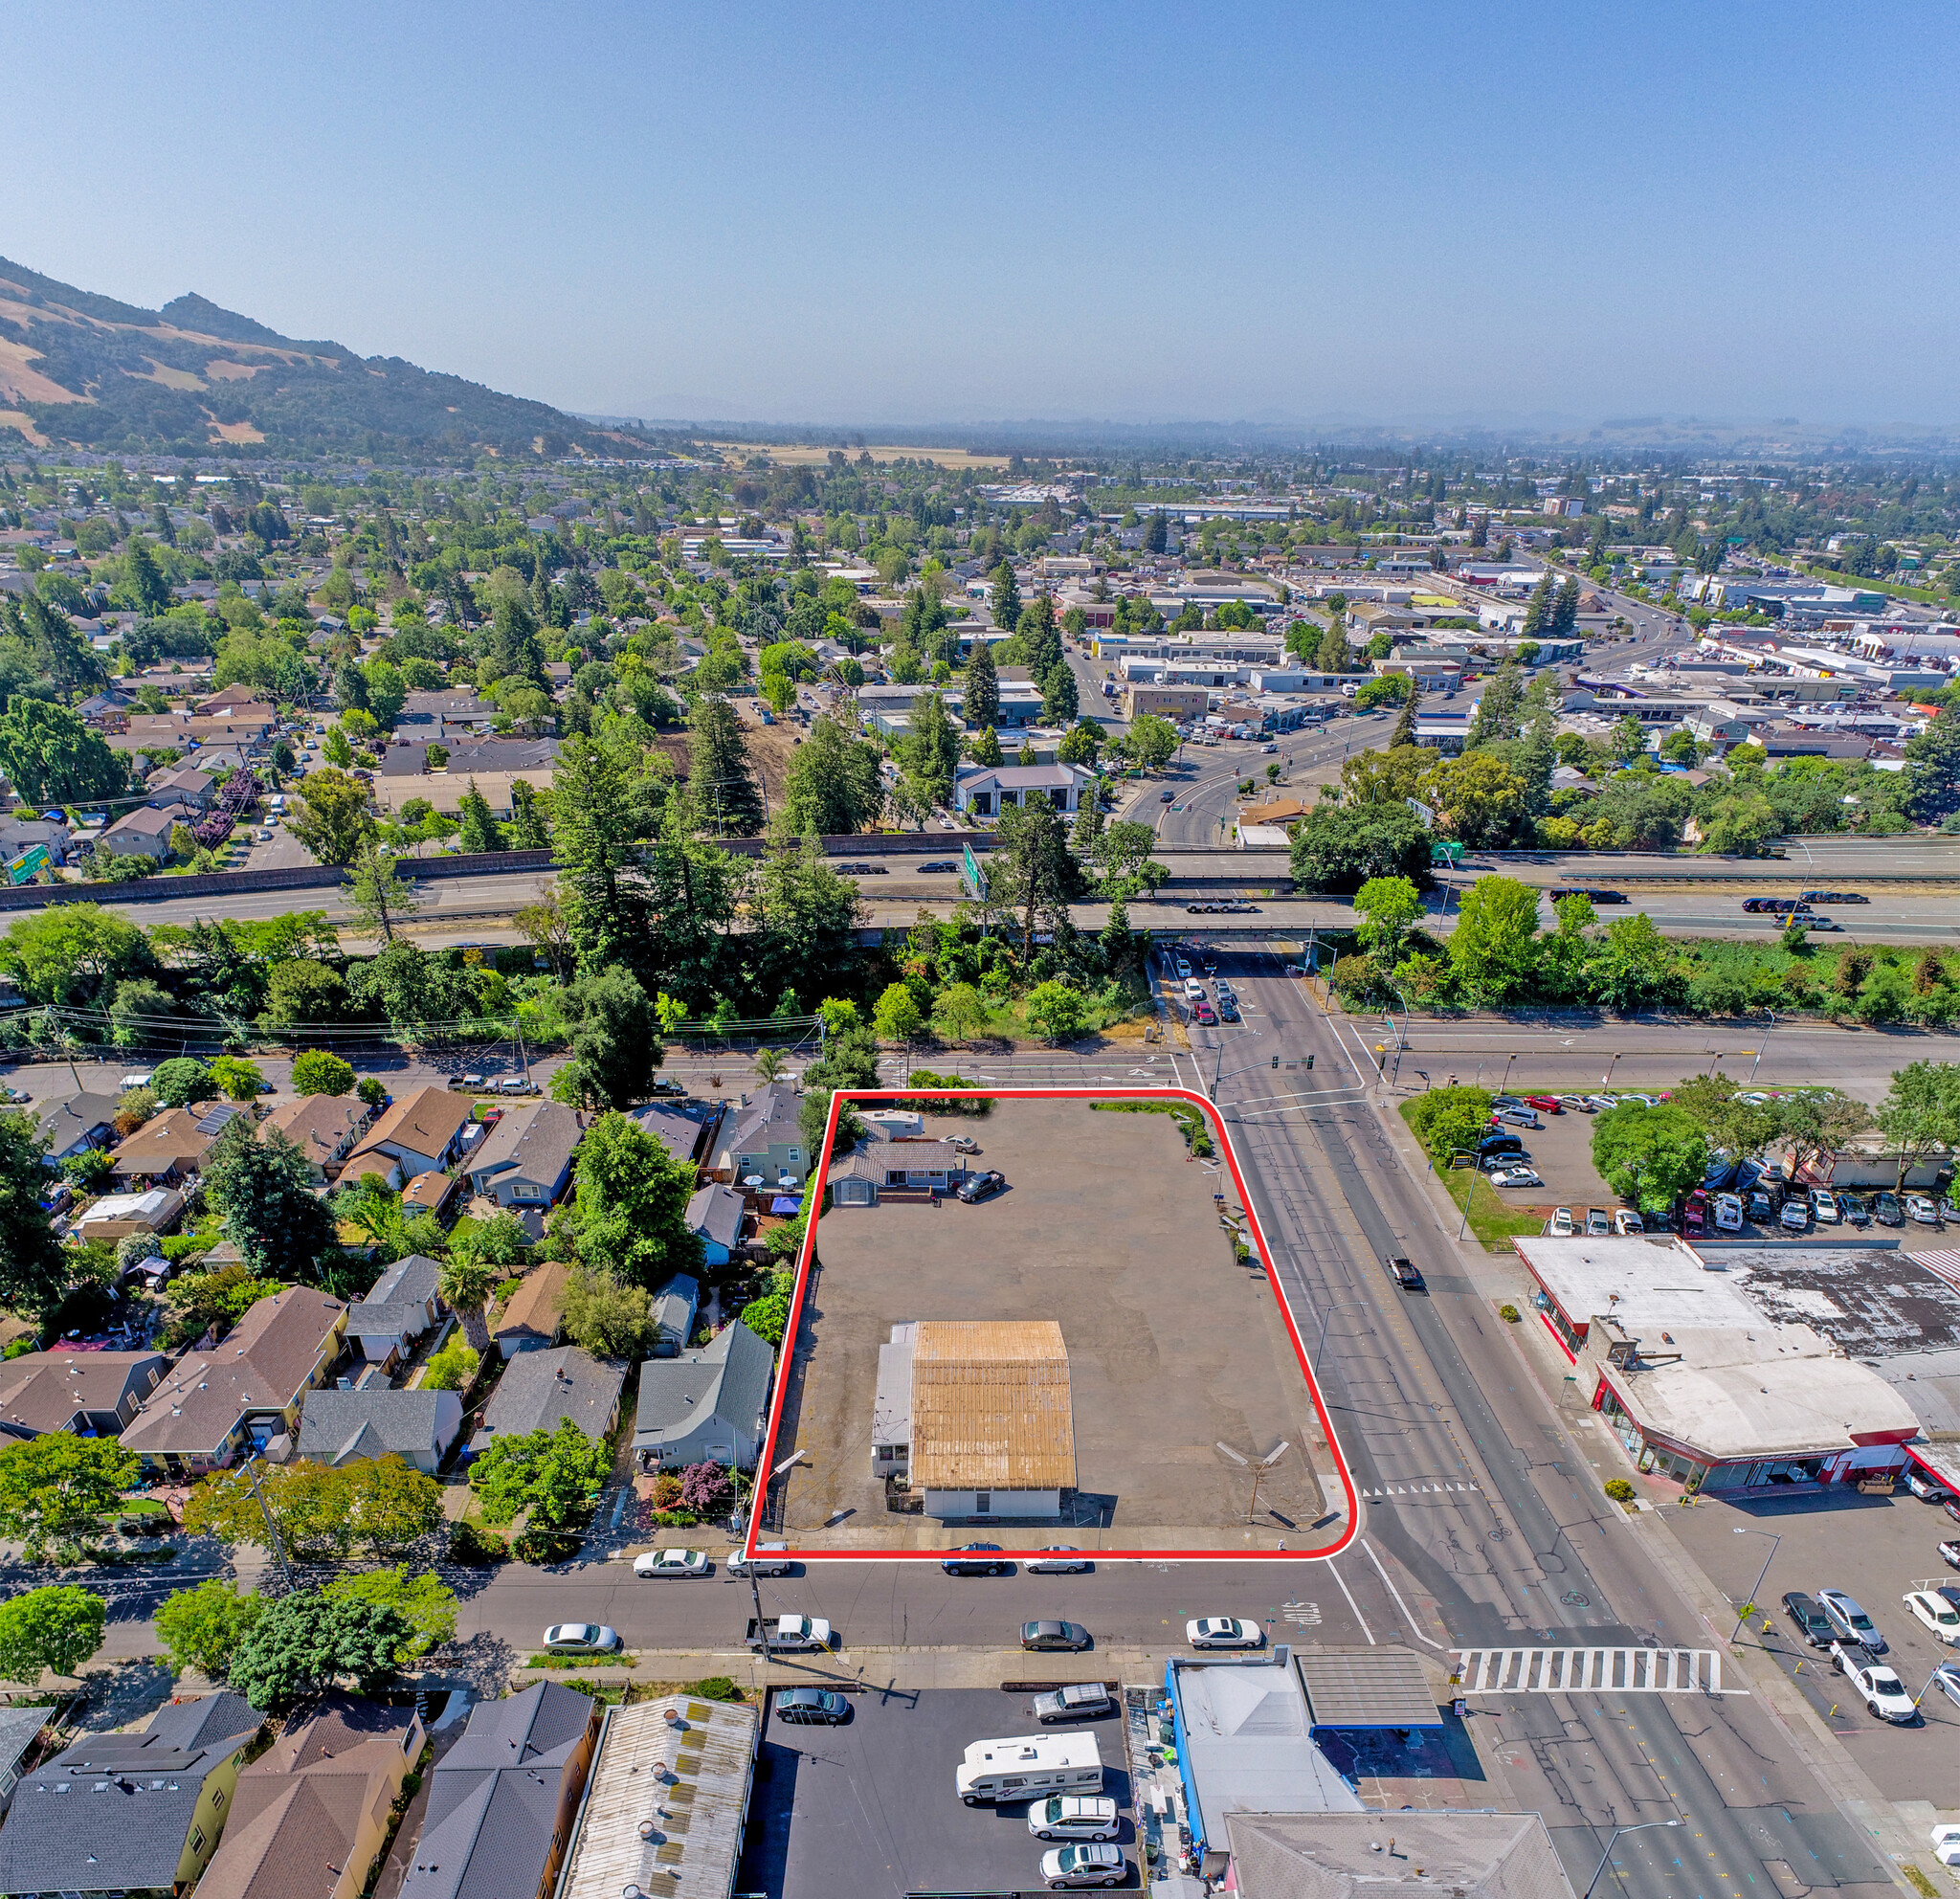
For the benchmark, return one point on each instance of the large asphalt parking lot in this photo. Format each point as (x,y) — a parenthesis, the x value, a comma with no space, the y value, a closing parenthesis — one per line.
(867,1809)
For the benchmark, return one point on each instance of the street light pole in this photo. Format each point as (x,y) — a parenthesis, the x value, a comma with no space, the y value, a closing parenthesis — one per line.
(1746,1607)
(1345,1306)
(1613,1843)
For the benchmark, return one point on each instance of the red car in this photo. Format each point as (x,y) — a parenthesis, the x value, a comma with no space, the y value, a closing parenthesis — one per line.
(1694,1217)
(1201,1011)
(1545,1104)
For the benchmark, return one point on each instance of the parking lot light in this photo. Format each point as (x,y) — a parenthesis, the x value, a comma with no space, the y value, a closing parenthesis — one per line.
(1749,1607)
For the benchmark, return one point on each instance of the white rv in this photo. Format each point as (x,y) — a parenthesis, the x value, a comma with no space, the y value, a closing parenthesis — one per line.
(1030,1765)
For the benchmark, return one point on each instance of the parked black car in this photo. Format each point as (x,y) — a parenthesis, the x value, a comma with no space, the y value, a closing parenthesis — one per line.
(980,1186)
(977,1559)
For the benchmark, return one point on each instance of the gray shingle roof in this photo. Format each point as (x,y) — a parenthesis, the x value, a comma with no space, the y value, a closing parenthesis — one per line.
(532,1142)
(398,1301)
(770,1113)
(676,1125)
(113,1811)
(674,1309)
(715,1213)
(539,1388)
(335,1425)
(493,1797)
(727,1378)
(66,1119)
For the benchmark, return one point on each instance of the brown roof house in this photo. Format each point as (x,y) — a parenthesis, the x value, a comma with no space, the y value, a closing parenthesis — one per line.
(310,1813)
(421,1133)
(172,1144)
(246,1391)
(92,1394)
(533,1317)
(323,1128)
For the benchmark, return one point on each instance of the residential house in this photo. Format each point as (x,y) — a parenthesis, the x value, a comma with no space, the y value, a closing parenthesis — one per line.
(92,1394)
(718,1215)
(533,1316)
(421,1133)
(986,789)
(502,1800)
(685,1128)
(434,712)
(117,1216)
(323,1128)
(539,1390)
(766,1140)
(418,1426)
(146,831)
(244,1392)
(526,1160)
(22,831)
(171,1145)
(76,1121)
(310,1815)
(445,788)
(399,1308)
(428,1194)
(674,1310)
(705,1405)
(237,702)
(129,1813)
(181,784)
(20,1728)
(918,1166)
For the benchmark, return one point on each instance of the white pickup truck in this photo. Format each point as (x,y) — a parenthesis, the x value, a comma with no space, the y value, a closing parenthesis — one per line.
(790,1632)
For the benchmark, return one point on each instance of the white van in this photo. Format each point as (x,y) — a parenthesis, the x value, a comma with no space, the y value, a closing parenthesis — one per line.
(1030,1765)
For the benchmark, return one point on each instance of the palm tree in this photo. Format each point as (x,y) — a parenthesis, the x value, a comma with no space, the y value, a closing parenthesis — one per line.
(769,1064)
(465,1284)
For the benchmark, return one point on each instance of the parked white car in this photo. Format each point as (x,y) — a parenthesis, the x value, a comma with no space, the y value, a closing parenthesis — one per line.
(770,1559)
(1727,1213)
(1934,1614)
(1223,1632)
(1626,1221)
(1561,1223)
(1922,1209)
(671,1562)
(1058,1559)
(1516,1176)
(1073,1816)
(1885,1694)
(1824,1207)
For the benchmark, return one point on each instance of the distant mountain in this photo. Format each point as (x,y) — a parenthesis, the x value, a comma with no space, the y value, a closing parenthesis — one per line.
(84,369)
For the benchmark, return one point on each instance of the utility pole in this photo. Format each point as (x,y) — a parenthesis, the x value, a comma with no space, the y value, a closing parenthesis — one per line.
(273,1541)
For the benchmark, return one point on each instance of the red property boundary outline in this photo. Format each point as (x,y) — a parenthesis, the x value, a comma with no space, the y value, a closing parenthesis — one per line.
(766,1463)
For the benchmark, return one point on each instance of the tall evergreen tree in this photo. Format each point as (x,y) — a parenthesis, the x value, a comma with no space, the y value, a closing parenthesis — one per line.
(930,754)
(1538,613)
(1005,598)
(1405,721)
(1040,641)
(982,706)
(1333,655)
(721,781)
(478,832)
(1565,611)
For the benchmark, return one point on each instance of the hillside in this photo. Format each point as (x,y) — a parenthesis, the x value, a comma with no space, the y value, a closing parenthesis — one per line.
(83,370)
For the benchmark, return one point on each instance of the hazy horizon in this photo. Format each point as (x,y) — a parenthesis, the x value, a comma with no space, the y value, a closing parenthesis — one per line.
(1285,218)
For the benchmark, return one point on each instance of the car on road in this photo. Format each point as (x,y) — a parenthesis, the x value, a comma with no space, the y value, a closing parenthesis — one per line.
(1832,897)
(15,1096)
(1796,1216)
(1182,968)
(1059,1560)
(811,1706)
(1194,990)
(1925,1485)
(1823,925)
(1599,896)
(1204,1014)
(977,1559)
(1934,1614)
(1812,1623)
(1851,1621)
(1074,1816)
(671,1562)
(515,1084)
(1055,1634)
(861,870)
(1887,1210)
(1083,1866)
(1516,1176)
(1165,797)
(580,1639)
(1727,1213)
(1626,1221)
(1223,1632)
(665,1088)
(467,1082)
(770,1559)
(1923,1207)
(1561,1223)
(142,1078)
(1077,1701)
(263,835)
(1404,1271)
(938,867)
(980,1186)
(1228,1011)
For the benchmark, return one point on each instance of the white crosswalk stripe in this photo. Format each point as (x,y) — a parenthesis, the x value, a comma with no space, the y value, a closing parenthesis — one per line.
(1589,1671)
(1384,1493)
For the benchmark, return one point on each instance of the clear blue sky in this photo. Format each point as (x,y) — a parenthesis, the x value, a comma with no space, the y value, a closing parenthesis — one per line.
(1143,211)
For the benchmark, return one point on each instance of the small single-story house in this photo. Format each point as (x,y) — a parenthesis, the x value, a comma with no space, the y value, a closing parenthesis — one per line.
(181,784)
(705,1405)
(76,1121)
(533,1316)
(92,1394)
(674,1309)
(526,1160)
(685,1128)
(917,1167)
(540,1389)
(323,1128)
(117,1216)
(504,1800)
(310,1813)
(401,1306)
(126,1812)
(766,1140)
(421,1133)
(247,1390)
(418,1426)
(429,1194)
(172,1144)
(718,1214)
(986,789)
